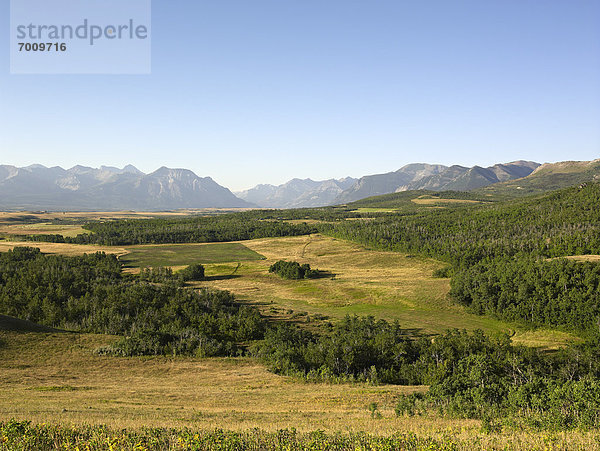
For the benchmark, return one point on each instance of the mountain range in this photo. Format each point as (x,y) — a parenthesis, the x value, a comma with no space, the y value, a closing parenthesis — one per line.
(108,188)
(83,188)
(297,193)
(435,178)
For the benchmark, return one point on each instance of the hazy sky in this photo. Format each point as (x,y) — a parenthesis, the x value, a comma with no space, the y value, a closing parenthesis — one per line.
(258,91)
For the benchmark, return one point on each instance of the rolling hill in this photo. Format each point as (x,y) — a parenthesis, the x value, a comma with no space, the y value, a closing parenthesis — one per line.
(547,177)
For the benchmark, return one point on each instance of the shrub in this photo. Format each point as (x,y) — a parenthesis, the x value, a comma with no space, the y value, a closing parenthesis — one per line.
(192,272)
(293,270)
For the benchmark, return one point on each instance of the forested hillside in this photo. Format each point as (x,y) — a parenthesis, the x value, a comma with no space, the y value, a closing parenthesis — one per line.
(563,223)
(499,253)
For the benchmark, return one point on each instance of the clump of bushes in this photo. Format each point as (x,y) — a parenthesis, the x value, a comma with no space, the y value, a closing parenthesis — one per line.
(192,272)
(293,270)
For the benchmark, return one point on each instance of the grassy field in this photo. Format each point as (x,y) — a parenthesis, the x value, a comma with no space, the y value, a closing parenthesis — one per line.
(69,230)
(585,258)
(63,248)
(176,255)
(26,217)
(135,257)
(433,201)
(57,379)
(375,210)
(359,281)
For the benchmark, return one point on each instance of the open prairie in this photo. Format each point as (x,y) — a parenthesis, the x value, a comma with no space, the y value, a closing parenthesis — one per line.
(57,377)
(20,217)
(434,201)
(43,228)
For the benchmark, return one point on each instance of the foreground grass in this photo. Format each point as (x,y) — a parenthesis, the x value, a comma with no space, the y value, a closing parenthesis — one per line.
(16,435)
(360,281)
(23,436)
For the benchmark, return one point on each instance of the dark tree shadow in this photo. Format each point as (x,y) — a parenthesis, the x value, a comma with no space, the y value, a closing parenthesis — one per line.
(323,275)
(224,277)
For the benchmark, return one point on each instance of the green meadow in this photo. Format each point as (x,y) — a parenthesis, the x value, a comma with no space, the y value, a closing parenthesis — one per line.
(185,254)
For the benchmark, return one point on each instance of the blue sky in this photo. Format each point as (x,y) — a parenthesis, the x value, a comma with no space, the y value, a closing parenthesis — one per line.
(252,92)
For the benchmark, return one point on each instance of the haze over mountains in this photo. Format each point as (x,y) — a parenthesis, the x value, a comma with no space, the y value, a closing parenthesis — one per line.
(37,187)
(435,177)
(297,193)
(108,188)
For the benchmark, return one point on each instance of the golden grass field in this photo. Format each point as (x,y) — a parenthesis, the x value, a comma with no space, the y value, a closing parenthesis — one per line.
(425,200)
(41,229)
(8,217)
(69,250)
(57,378)
(585,258)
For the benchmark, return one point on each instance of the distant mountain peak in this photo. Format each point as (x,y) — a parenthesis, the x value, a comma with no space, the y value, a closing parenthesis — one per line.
(296,193)
(131,169)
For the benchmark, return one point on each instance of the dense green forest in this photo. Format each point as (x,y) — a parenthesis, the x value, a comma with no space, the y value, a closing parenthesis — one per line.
(563,223)
(556,292)
(90,294)
(227,227)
